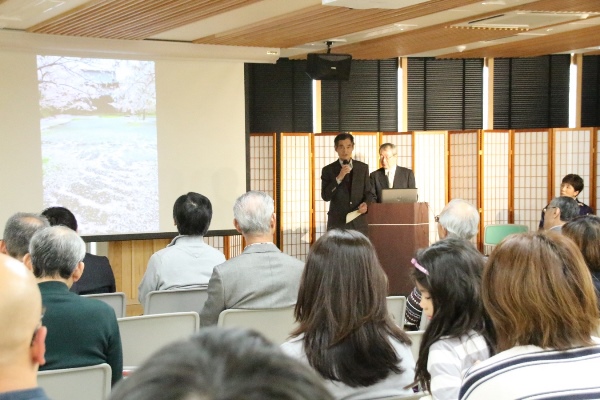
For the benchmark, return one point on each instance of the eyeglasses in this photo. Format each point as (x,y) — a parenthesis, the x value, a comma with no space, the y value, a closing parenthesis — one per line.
(437,218)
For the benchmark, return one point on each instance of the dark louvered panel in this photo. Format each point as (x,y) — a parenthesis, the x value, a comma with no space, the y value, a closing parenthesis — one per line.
(502,86)
(330,106)
(360,98)
(388,95)
(416,94)
(531,92)
(280,97)
(368,101)
(444,94)
(302,97)
(590,91)
(473,94)
(559,90)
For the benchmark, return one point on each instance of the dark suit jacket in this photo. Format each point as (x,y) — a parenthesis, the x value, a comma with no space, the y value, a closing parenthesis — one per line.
(97,276)
(81,331)
(341,200)
(403,179)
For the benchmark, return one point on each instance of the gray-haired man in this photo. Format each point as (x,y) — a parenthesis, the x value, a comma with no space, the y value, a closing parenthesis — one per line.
(262,276)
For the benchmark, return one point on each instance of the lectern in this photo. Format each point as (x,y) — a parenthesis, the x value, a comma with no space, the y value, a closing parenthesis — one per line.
(397,230)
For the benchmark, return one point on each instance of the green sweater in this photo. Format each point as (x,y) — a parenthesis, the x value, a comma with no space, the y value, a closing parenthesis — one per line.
(81,331)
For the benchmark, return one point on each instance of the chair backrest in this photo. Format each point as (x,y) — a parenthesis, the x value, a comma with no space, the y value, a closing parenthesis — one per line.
(170,301)
(142,336)
(90,383)
(397,307)
(275,324)
(416,337)
(493,234)
(115,300)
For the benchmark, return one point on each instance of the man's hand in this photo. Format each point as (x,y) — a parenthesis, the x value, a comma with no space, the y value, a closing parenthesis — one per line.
(344,171)
(362,208)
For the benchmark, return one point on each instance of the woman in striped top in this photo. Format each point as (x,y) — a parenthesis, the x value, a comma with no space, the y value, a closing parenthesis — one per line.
(540,297)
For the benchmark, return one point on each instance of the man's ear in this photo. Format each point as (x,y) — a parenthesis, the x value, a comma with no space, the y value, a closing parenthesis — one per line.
(577,193)
(237,226)
(27,261)
(78,271)
(3,247)
(38,346)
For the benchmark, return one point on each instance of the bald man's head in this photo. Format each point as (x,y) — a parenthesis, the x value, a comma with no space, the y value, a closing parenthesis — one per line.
(20,313)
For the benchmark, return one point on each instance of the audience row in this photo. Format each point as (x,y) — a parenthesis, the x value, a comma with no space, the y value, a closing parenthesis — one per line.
(492,323)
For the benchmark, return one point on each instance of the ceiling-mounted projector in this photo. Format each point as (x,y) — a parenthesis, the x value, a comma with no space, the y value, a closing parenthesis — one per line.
(328,66)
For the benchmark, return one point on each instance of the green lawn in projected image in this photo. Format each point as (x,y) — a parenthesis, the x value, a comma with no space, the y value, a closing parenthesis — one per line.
(104,169)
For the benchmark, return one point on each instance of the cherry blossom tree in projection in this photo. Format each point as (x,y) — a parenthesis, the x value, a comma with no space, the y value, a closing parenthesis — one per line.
(136,90)
(67,83)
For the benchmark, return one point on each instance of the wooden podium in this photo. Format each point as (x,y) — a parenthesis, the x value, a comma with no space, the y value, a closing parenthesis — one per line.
(397,230)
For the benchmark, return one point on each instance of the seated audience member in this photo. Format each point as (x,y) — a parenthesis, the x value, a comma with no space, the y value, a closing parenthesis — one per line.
(571,186)
(81,331)
(262,276)
(448,276)
(540,297)
(221,364)
(560,210)
(187,262)
(345,332)
(98,276)
(22,335)
(18,231)
(459,219)
(585,232)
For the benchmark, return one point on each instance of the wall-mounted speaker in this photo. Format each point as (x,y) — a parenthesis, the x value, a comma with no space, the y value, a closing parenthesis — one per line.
(328,66)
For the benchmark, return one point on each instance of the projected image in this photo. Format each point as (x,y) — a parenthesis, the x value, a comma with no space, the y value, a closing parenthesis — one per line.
(99,149)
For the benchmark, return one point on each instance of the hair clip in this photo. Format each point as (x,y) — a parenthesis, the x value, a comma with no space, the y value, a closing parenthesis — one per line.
(419,266)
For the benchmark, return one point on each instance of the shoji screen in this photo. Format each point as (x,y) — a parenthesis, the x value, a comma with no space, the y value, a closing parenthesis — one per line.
(296,189)
(463,167)
(495,178)
(430,173)
(262,163)
(572,155)
(404,145)
(324,153)
(531,169)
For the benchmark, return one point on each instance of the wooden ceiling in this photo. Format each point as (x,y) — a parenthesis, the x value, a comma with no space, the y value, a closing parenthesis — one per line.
(296,27)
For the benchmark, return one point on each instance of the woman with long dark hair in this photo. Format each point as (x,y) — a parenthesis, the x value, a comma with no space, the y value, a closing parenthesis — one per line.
(345,332)
(448,275)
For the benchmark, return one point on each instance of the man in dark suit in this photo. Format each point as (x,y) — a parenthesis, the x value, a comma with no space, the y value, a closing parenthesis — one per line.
(390,175)
(99,276)
(81,331)
(345,184)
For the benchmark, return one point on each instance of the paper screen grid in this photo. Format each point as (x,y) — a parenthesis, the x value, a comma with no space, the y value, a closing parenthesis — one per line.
(430,174)
(262,160)
(495,179)
(403,142)
(464,148)
(531,168)
(295,194)
(572,156)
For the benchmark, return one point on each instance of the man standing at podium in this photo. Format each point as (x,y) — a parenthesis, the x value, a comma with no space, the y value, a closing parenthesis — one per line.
(345,184)
(390,175)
